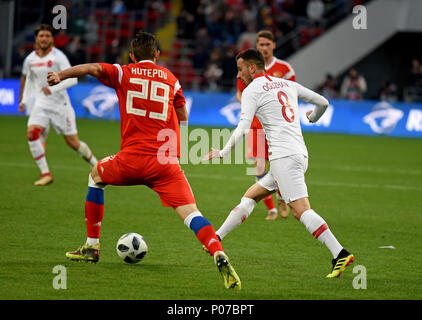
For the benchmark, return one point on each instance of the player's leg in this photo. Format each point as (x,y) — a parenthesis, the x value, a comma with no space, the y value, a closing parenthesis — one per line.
(35,140)
(65,123)
(82,148)
(283,208)
(94,213)
(317,226)
(242,211)
(261,171)
(289,173)
(260,152)
(174,191)
(205,233)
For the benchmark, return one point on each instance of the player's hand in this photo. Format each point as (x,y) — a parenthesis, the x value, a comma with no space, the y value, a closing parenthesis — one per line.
(21,107)
(53,78)
(46,91)
(308,114)
(214,153)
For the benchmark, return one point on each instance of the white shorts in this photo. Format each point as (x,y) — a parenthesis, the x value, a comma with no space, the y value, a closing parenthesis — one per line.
(288,176)
(62,117)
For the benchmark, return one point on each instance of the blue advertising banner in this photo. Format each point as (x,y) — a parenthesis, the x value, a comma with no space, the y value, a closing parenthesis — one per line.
(93,100)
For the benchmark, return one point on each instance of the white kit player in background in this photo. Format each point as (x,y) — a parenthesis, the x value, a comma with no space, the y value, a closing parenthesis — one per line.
(275,103)
(51,105)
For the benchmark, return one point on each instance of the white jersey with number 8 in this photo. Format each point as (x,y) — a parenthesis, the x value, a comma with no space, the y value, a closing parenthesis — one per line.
(275,103)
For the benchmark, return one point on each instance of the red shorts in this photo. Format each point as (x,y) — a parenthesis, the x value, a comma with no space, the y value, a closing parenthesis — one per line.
(128,168)
(257,144)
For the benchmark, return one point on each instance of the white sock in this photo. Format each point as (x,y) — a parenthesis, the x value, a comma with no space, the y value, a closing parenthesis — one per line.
(85,152)
(38,153)
(319,229)
(189,218)
(236,216)
(92,241)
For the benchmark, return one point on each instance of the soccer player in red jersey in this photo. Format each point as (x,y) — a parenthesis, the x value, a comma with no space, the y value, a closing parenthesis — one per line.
(151,106)
(257,143)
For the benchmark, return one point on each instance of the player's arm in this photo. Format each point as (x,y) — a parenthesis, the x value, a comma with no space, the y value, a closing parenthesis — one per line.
(182,115)
(22,88)
(180,105)
(310,96)
(93,69)
(249,107)
(63,63)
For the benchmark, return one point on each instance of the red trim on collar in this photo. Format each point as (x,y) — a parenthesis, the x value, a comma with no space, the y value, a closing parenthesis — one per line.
(37,50)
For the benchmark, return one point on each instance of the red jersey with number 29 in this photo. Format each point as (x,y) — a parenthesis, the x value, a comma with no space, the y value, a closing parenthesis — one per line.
(148,95)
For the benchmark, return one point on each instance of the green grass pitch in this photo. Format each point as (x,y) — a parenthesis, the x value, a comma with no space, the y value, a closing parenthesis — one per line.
(368,189)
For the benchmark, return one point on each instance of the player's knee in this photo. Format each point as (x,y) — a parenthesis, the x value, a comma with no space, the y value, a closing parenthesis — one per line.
(34,134)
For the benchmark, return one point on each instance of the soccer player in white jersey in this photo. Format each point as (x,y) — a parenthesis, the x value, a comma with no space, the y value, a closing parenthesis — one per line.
(275,103)
(52,104)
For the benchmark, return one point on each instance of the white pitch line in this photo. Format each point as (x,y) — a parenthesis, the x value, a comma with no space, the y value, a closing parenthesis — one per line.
(316,183)
(244,178)
(369,169)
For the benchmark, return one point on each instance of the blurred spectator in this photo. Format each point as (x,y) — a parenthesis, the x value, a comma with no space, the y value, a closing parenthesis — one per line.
(77,24)
(415,74)
(77,54)
(329,88)
(388,92)
(229,68)
(353,86)
(315,11)
(213,70)
(185,25)
(247,39)
(413,91)
(61,40)
(91,31)
(232,26)
(113,55)
(117,7)
(215,28)
(17,60)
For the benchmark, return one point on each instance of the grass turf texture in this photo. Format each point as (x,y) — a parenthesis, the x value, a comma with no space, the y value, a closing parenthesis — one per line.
(368,189)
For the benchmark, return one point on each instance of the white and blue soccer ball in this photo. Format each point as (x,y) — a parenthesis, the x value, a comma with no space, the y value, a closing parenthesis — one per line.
(131,247)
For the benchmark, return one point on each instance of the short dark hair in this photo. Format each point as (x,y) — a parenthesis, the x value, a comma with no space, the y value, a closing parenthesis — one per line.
(143,46)
(265,34)
(252,56)
(44,27)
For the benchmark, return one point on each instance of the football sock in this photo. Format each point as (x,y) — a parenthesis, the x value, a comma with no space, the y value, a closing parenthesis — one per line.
(94,210)
(236,216)
(269,203)
(204,231)
(319,229)
(85,152)
(38,153)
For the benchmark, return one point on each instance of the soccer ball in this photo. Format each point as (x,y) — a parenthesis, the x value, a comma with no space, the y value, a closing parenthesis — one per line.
(131,247)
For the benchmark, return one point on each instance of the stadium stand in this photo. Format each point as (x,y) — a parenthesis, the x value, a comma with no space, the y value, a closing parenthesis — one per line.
(204,37)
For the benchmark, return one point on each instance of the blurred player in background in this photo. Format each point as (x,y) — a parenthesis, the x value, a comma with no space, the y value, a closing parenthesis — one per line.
(275,102)
(151,106)
(265,43)
(52,105)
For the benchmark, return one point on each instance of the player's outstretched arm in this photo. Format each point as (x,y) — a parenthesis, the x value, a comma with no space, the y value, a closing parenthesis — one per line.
(241,130)
(93,69)
(310,96)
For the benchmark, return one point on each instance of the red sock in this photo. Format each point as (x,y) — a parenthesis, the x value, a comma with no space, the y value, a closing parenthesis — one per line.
(269,202)
(206,235)
(94,212)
